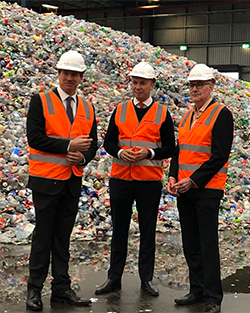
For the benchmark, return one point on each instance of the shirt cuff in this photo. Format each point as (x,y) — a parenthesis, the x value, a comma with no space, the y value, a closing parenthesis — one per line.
(68,146)
(119,152)
(193,183)
(83,162)
(152,154)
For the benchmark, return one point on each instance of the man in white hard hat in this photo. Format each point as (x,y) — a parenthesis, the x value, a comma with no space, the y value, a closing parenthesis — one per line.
(197,176)
(139,136)
(61,130)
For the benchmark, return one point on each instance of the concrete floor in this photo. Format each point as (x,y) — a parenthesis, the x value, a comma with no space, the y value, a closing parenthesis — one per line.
(130,299)
(86,276)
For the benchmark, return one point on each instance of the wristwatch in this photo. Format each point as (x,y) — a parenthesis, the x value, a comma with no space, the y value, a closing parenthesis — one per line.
(149,154)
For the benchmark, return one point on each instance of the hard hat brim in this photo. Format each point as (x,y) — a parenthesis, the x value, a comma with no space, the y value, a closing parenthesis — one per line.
(200,78)
(141,76)
(71,68)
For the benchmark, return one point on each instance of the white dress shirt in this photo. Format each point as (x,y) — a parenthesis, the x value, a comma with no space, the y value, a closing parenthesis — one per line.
(64,96)
(146,104)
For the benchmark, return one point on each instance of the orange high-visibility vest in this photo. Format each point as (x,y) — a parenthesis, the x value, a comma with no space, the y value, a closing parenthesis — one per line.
(195,145)
(57,125)
(146,134)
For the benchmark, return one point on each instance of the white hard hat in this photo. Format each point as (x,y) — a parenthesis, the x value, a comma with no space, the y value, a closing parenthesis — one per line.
(71,60)
(201,72)
(143,70)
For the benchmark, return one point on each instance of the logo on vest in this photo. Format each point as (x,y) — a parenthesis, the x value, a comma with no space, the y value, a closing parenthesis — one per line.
(198,124)
(81,117)
(148,122)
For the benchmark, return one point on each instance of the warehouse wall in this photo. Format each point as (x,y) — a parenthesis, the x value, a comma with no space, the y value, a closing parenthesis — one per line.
(213,34)
(120,21)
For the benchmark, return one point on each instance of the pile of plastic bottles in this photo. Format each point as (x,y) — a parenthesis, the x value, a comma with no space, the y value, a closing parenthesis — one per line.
(30,45)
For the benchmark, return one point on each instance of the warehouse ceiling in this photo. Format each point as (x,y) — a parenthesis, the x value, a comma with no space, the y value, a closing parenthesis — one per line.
(139,7)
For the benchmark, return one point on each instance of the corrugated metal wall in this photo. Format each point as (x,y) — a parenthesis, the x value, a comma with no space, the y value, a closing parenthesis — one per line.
(213,34)
(120,21)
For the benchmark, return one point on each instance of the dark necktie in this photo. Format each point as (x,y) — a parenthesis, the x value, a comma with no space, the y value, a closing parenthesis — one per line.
(69,109)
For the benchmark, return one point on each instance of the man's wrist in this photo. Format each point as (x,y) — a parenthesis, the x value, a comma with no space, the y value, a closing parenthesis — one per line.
(68,146)
(83,161)
(193,183)
(171,178)
(119,154)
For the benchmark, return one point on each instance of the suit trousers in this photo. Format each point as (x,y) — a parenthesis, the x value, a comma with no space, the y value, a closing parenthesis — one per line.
(55,218)
(147,196)
(199,226)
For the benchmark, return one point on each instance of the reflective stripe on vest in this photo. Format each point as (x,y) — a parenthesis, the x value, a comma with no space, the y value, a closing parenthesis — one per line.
(194,167)
(48,159)
(51,109)
(195,145)
(134,143)
(145,162)
(185,117)
(195,148)
(57,125)
(133,134)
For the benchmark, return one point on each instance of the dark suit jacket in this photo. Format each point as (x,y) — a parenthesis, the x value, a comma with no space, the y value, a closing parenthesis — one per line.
(37,139)
(222,137)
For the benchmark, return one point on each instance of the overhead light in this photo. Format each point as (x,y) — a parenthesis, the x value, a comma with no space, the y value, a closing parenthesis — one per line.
(149,7)
(183,48)
(245,46)
(48,6)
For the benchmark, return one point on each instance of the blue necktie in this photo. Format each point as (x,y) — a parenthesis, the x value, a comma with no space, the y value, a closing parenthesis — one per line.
(69,109)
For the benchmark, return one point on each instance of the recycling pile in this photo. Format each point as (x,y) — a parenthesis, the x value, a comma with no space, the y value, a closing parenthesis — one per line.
(30,45)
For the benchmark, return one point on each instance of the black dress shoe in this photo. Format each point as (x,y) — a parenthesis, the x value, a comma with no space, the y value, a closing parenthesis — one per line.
(109,286)
(212,307)
(149,288)
(34,301)
(70,297)
(190,298)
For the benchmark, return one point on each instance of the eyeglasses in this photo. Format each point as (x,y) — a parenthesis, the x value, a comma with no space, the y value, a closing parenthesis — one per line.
(198,85)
